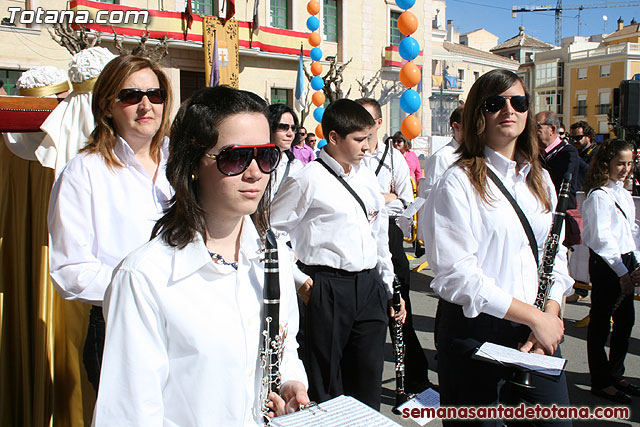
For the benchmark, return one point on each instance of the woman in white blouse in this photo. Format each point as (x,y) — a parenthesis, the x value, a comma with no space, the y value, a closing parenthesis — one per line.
(184,311)
(107,199)
(613,237)
(485,270)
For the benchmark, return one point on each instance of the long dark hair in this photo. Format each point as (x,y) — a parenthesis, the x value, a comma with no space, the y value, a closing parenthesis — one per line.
(103,137)
(193,133)
(275,113)
(474,138)
(598,173)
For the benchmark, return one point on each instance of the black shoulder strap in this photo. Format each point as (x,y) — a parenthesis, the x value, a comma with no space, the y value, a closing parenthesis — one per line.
(523,219)
(346,185)
(384,156)
(616,203)
(286,174)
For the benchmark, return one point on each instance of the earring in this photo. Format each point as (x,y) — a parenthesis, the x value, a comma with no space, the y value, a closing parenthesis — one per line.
(109,116)
(194,176)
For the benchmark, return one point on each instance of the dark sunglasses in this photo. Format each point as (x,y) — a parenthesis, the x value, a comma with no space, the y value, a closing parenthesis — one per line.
(134,96)
(235,160)
(561,133)
(398,141)
(285,127)
(576,137)
(493,104)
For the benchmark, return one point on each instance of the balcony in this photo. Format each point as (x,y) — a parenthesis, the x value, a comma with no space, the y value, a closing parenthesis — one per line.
(616,49)
(603,108)
(580,110)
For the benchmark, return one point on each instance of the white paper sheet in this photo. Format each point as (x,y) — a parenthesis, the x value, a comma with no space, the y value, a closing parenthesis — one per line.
(427,399)
(541,363)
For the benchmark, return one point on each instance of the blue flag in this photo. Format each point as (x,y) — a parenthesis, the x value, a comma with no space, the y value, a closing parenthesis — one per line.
(299,103)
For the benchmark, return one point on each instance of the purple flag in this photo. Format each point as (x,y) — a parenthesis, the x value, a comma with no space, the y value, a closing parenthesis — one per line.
(214,80)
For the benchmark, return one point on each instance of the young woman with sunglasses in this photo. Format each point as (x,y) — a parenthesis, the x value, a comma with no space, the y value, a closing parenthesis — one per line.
(613,237)
(106,200)
(284,127)
(183,328)
(485,272)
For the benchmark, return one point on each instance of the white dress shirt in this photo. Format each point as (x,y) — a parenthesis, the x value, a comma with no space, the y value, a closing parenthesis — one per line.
(396,170)
(479,252)
(437,164)
(605,230)
(327,225)
(98,215)
(279,175)
(184,333)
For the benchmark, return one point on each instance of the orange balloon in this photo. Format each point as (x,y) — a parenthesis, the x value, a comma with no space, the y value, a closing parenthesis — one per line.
(316,68)
(411,127)
(410,74)
(314,39)
(318,98)
(313,7)
(319,133)
(407,23)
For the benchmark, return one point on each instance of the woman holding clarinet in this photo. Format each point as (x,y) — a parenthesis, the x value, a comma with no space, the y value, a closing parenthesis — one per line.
(183,312)
(613,237)
(485,269)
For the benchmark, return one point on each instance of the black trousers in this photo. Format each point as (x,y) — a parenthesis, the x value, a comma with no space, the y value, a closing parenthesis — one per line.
(416,364)
(605,289)
(465,381)
(94,346)
(345,331)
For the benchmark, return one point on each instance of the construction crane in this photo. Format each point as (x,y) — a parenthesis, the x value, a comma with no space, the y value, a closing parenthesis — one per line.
(558,11)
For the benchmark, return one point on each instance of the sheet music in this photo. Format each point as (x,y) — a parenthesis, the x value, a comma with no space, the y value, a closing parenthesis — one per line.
(541,363)
(427,399)
(341,411)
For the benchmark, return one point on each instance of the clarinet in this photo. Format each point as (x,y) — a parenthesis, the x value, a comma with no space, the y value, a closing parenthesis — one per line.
(272,341)
(545,271)
(398,349)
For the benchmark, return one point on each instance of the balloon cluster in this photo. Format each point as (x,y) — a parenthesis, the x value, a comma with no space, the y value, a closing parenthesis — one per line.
(318,98)
(410,73)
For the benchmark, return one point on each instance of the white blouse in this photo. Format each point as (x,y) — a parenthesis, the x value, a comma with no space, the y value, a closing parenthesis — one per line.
(605,229)
(184,333)
(98,215)
(399,176)
(327,225)
(479,252)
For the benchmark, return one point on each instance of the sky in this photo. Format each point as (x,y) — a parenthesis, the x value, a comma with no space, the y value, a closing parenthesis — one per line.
(495,17)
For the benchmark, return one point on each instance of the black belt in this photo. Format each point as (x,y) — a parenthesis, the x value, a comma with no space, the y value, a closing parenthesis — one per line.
(309,269)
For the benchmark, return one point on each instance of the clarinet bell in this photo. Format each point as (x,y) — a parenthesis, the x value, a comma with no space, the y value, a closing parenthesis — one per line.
(400,399)
(522,379)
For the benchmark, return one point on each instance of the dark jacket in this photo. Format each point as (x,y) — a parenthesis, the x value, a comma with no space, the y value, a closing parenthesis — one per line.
(562,159)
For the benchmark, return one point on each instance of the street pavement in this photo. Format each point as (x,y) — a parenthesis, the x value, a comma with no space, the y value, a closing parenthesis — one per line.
(574,349)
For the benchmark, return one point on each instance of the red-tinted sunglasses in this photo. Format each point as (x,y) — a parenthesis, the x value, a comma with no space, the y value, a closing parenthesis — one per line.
(134,96)
(236,159)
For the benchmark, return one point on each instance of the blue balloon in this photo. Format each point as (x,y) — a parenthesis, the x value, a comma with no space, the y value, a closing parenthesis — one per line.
(313,23)
(321,143)
(317,83)
(316,54)
(410,101)
(405,4)
(409,48)
(318,113)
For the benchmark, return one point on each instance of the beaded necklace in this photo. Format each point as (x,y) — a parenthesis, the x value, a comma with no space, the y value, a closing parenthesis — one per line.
(217,258)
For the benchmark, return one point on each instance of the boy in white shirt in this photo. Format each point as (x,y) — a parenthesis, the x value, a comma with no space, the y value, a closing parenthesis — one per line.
(334,214)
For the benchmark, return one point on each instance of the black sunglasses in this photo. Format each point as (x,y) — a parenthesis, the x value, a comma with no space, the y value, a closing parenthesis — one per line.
(235,160)
(134,96)
(398,141)
(285,127)
(577,137)
(493,104)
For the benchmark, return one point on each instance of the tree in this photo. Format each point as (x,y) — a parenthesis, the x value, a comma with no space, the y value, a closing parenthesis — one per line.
(388,90)
(333,79)
(155,53)
(74,40)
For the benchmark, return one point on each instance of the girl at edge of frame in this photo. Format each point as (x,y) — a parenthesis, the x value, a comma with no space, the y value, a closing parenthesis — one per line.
(283,123)
(485,272)
(183,328)
(404,145)
(107,198)
(613,238)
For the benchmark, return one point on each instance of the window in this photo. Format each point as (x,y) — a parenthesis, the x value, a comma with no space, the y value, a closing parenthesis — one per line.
(603,127)
(395,36)
(549,100)
(476,75)
(279,14)
(605,104)
(330,20)
(202,7)
(460,74)
(582,73)
(115,2)
(549,74)
(190,83)
(281,96)
(9,77)
(581,108)
(605,70)
(397,115)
